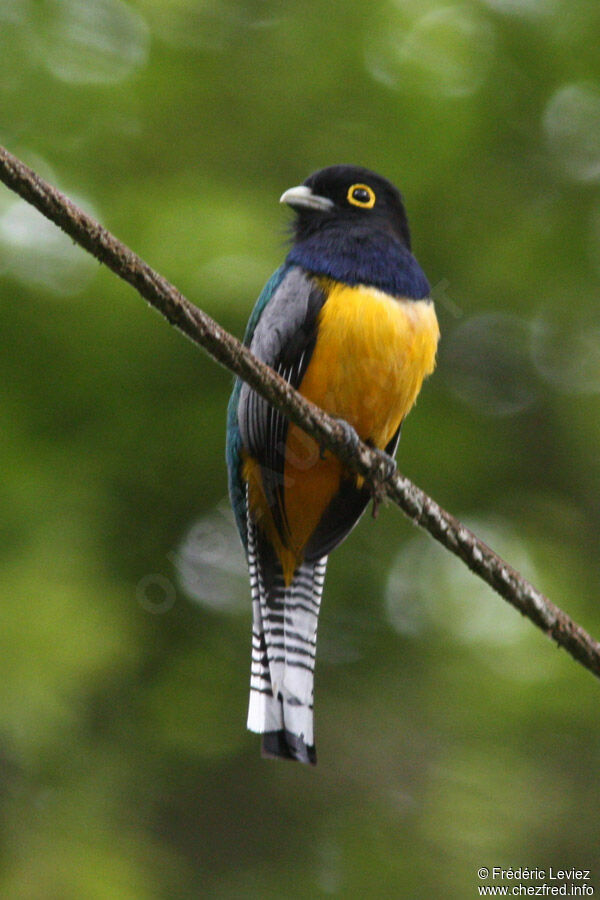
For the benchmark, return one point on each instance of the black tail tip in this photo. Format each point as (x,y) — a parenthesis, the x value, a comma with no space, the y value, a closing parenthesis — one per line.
(285,745)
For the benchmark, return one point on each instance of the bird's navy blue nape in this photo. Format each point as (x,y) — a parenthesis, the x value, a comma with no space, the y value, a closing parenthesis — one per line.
(359,257)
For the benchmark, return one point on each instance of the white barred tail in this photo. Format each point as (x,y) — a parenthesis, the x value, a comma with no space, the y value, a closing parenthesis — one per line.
(284,641)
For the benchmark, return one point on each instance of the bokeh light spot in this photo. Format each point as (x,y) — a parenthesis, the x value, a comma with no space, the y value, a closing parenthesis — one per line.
(91,41)
(207,25)
(232,274)
(428,588)
(429,591)
(524,8)
(567,356)
(13,12)
(34,251)
(571,123)
(447,52)
(210,563)
(487,364)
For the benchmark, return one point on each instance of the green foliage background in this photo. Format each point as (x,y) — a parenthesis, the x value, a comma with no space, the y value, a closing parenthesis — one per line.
(451,734)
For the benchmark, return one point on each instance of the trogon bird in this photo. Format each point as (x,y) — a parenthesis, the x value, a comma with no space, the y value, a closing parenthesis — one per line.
(348,321)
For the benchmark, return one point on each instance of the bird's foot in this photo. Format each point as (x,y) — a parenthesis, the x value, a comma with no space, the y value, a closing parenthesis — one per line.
(387,469)
(350,436)
(387,464)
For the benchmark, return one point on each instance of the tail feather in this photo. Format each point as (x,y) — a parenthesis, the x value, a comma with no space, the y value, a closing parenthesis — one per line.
(284,639)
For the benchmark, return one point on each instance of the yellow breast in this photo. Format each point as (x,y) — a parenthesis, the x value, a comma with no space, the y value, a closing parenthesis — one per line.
(371,356)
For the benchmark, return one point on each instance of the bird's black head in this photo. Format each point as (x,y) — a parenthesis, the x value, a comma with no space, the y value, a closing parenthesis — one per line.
(349,198)
(351,227)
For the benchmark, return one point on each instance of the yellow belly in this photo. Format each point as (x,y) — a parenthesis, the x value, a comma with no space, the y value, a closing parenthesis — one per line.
(370,358)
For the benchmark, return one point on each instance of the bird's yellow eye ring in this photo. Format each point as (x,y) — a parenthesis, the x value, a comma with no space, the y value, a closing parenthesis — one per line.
(361,195)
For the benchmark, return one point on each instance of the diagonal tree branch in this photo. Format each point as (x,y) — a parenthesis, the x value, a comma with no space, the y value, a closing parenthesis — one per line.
(228,351)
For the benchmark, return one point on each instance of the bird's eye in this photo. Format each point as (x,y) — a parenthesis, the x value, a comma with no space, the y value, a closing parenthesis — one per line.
(361,195)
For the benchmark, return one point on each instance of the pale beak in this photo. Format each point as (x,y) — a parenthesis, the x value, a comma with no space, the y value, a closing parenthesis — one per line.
(303,197)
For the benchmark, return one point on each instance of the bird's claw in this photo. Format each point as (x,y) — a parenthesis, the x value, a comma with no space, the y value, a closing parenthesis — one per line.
(387,469)
(351,438)
(387,463)
(350,435)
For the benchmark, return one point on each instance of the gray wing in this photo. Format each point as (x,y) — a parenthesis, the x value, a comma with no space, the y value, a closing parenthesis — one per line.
(284,338)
